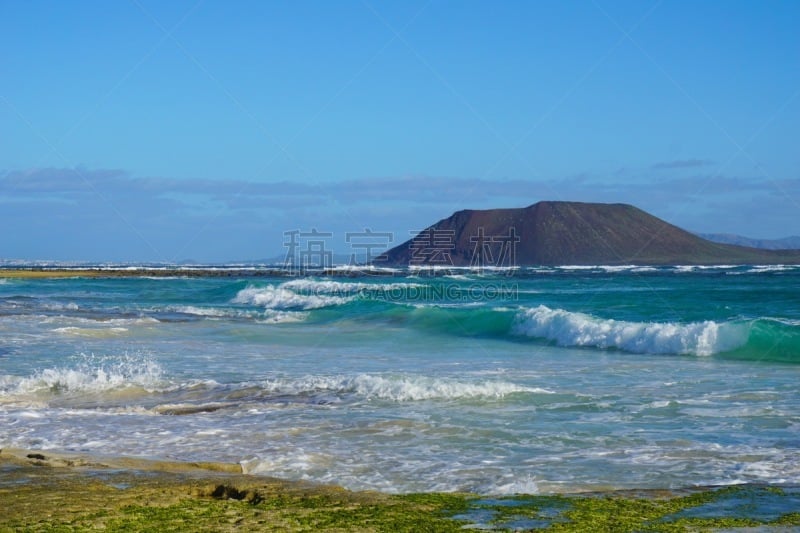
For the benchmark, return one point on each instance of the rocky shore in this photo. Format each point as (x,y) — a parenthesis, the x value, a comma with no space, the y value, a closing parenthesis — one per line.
(44,491)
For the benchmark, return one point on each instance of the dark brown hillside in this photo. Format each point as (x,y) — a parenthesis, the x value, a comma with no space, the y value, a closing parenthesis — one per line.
(569,233)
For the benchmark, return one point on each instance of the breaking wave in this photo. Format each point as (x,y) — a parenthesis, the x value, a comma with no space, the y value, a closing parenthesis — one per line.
(344,288)
(567,328)
(91,375)
(399,388)
(307,294)
(283,299)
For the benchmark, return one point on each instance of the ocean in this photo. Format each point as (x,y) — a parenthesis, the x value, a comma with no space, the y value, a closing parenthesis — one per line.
(499,381)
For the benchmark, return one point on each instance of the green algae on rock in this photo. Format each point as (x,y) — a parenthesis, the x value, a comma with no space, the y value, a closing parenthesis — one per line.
(71,493)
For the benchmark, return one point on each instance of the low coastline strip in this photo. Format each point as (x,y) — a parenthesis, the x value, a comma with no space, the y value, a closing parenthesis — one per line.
(89,272)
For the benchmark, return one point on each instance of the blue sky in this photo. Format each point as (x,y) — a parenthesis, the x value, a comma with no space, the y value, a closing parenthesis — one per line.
(161,131)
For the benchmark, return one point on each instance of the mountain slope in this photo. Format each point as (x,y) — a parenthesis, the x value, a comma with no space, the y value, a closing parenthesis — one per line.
(568,233)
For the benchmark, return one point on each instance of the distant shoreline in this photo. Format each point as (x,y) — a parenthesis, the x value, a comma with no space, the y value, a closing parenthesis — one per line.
(258,271)
(97,272)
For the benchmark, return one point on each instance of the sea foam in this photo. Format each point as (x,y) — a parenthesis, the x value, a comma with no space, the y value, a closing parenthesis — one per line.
(92,332)
(568,328)
(307,294)
(93,374)
(282,298)
(339,288)
(400,388)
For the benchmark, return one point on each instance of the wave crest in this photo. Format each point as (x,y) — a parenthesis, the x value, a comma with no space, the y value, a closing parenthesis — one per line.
(344,288)
(283,299)
(400,388)
(92,375)
(567,328)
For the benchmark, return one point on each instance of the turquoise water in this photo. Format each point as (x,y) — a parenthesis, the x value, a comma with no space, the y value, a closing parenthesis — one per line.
(498,382)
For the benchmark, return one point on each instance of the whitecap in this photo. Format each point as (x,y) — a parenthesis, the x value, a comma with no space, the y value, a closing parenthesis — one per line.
(567,328)
(92,375)
(400,388)
(281,298)
(201,311)
(91,332)
(340,288)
